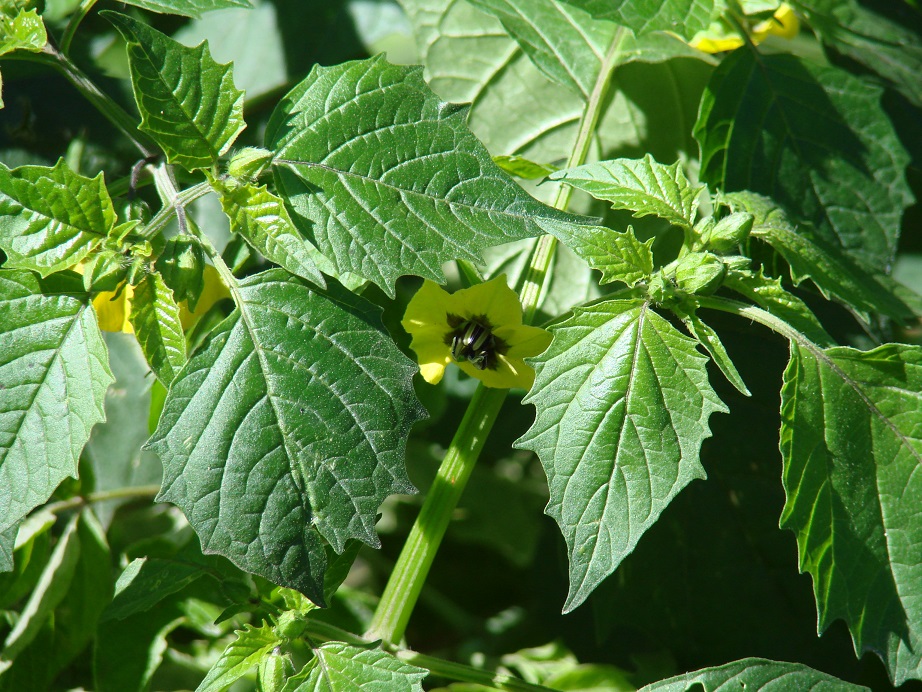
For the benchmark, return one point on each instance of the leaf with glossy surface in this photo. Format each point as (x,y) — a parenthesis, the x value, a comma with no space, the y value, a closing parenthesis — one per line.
(564,42)
(186,8)
(642,186)
(892,51)
(340,667)
(628,393)
(851,442)
(813,138)
(754,674)
(836,274)
(288,425)
(252,645)
(54,374)
(24,31)
(261,219)
(188,102)
(683,17)
(386,179)
(155,318)
(51,218)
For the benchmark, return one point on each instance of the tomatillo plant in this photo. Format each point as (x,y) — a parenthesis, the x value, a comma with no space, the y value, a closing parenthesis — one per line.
(233,318)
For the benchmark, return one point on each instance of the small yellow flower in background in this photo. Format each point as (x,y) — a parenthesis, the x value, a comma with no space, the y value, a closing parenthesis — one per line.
(719,38)
(479,328)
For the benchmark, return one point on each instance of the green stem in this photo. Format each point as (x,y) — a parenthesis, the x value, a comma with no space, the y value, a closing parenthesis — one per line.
(134,493)
(406,581)
(78,16)
(763,317)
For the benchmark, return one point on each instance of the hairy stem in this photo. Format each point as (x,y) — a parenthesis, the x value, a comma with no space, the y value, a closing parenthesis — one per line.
(406,581)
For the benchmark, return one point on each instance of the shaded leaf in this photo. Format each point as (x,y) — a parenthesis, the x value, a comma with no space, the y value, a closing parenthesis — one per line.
(754,674)
(146,582)
(155,318)
(188,102)
(288,425)
(186,8)
(816,140)
(852,449)
(386,179)
(51,218)
(54,374)
(339,667)
(629,395)
(683,17)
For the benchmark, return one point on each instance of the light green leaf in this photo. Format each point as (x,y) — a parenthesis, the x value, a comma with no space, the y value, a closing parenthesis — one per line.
(629,395)
(50,590)
(252,645)
(851,443)
(683,17)
(769,294)
(261,219)
(892,51)
(835,273)
(617,254)
(51,218)
(289,425)
(7,543)
(816,140)
(711,342)
(155,318)
(564,42)
(642,186)
(186,8)
(54,374)
(339,667)
(755,674)
(188,102)
(386,179)
(24,31)
(521,167)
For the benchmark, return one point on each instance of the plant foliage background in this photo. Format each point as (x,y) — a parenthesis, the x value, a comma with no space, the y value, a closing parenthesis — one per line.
(213,444)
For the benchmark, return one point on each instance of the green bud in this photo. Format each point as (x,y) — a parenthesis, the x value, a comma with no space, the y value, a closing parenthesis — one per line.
(274,670)
(699,273)
(182,265)
(729,232)
(660,289)
(104,271)
(290,624)
(248,163)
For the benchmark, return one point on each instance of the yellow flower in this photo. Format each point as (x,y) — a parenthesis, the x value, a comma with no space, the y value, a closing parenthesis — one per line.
(479,328)
(719,38)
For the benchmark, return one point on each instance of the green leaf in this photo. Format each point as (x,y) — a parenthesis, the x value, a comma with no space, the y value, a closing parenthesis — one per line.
(754,674)
(252,645)
(769,294)
(288,425)
(54,374)
(851,443)
(186,8)
(188,102)
(145,582)
(7,543)
(683,17)
(386,179)
(339,667)
(892,51)
(642,186)
(51,218)
(24,31)
(816,140)
(565,43)
(50,590)
(835,273)
(617,254)
(521,167)
(711,342)
(155,318)
(261,219)
(629,394)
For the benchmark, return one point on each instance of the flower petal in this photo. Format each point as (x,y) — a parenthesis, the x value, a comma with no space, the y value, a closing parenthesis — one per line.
(508,373)
(524,341)
(428,308)
(494,299)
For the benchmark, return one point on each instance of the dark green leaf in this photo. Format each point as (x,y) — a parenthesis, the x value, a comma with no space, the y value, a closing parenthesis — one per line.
(386,179)
(54,374)
(145,582)
(252,645)
(155,318)
(683,17)
(186,8)
(51,218)
(642,186)
(565,43)
(261,219)
(754,674)
(892,51)
(851,442)
(339,667)
(188,102)
(815,139)
(629,395)
(288,425)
